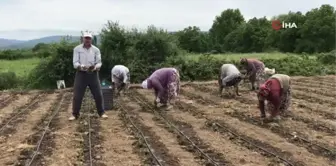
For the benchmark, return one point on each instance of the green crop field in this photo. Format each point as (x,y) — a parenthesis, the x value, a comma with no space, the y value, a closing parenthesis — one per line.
(20,67)
(236,56)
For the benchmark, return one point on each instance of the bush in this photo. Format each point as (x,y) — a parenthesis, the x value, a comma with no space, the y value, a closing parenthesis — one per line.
(8,80)
(142,52)
(327,58)
(297,66)
(57,67)
(16,54)
(207,67)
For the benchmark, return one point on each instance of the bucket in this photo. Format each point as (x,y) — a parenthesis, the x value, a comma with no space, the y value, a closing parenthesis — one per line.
(107,92)
(60,84)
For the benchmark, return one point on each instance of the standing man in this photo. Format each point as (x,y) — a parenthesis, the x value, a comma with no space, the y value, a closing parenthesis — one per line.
(87,61)
(120,78)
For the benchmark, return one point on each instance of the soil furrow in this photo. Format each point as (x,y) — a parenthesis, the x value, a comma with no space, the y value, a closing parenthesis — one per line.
(314,98)
(233,152)
(314,84)
(319,81)
(322,127)
(157,147)
(8,125)
(8,99)
(189,137)
(44,146)
(117,142)
(4,96)
(11,149)
(312,108)
(89,127)
(167,135)
(22,102)
(297,114)
(244,114)
(319,91)
(67,140)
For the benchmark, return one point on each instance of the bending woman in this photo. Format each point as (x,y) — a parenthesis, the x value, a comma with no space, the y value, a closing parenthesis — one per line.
(255,71)
(229,76)
(120,76)
(166,85)
(277,92)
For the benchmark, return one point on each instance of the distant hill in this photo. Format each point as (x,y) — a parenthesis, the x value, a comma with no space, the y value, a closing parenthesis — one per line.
(18,44)
(8,42)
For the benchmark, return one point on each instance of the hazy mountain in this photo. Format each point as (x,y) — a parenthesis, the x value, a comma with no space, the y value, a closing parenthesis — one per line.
(18,44)
(29,38)
(8,42)
(32,43)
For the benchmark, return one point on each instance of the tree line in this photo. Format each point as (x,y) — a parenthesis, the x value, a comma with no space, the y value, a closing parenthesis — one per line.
(145,51)
(230,32)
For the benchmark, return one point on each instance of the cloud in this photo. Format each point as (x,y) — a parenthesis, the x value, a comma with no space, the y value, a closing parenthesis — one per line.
(76,15)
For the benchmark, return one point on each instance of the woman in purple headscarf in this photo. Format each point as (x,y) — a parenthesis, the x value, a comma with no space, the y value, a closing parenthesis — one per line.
(166,85)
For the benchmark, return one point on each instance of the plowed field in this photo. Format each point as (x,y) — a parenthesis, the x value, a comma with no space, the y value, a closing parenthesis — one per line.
(201,129)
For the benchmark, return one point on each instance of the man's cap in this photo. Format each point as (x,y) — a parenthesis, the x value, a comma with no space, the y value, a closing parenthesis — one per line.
(87,34)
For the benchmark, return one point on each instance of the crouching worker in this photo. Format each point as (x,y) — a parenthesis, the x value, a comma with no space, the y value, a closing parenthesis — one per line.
(120,78)
(255,71)
(166,85)
(277,92)
(229,76)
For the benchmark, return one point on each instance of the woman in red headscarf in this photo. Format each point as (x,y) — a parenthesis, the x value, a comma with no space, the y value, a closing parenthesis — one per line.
(277,92)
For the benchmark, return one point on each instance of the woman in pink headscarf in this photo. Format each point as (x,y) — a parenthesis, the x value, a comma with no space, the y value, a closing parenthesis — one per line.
(277,92)
(166,85)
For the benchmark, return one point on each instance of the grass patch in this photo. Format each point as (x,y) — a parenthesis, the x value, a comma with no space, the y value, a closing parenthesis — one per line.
(235,56)
(20,67)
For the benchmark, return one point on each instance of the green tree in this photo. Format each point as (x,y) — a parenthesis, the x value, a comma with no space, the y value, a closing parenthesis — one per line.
(224,24)
(39,46)
(192,39)
(318,31)
(248,37)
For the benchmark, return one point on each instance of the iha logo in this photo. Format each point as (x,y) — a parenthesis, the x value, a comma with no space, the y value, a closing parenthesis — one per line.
(277,25)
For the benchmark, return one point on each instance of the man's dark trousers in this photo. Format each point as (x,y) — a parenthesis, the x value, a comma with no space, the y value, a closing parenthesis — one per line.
(82,80)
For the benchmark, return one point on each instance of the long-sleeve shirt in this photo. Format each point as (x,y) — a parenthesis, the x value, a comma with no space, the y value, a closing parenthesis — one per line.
(86,57)
(229,72)
(159,80)
(253,65)
(120,71)
(277,84)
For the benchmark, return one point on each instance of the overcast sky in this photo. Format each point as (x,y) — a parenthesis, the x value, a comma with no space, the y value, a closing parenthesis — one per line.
(28,19)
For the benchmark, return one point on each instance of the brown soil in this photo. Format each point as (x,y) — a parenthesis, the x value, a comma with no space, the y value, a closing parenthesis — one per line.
(315,122)
(147,138)
(321,111)
(11,148)
(67,141)
(226,130)
(20,102)
(6,99)
(236,154)
(246,111)
(89,127)
(117,142)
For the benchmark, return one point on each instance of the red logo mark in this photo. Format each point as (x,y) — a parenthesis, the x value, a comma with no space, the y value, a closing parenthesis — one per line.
(276,25)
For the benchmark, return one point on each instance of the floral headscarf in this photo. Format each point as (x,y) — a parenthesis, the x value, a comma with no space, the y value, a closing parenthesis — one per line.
(243,61)
(264,90)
